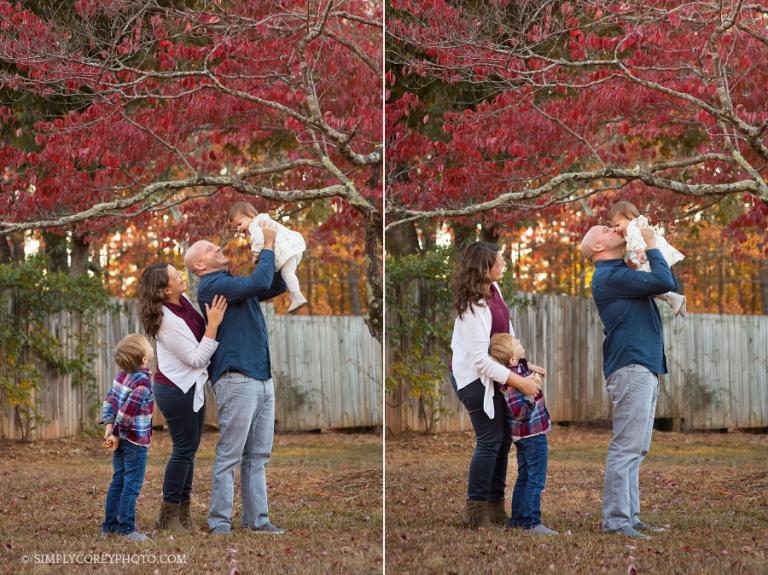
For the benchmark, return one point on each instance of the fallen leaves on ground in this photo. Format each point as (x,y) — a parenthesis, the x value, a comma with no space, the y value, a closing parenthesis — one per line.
(52,501)
(709,490)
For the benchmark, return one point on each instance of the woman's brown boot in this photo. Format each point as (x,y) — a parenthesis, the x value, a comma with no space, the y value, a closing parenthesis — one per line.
(185,516)
(496,512)
(169,518)
(477,514)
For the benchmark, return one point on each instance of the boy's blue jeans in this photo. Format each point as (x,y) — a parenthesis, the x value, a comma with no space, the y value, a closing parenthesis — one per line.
(129,462)
(531,476)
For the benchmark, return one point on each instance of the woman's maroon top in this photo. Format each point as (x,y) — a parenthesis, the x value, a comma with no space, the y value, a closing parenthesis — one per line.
(499,313)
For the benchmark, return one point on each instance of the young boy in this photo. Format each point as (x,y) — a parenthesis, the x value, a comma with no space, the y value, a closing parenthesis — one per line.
(626,218)
(529,421)
(289,246)
(127,413)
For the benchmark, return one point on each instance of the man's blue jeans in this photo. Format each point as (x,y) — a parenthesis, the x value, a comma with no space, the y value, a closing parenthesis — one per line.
(633,390)
(531,476)
(129,462)
(246,413)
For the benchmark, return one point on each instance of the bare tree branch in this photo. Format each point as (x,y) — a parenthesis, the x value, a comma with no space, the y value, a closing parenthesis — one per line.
(167,189)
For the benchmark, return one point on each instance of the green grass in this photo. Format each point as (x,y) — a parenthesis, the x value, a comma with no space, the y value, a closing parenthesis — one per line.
(710,490)
(325,489)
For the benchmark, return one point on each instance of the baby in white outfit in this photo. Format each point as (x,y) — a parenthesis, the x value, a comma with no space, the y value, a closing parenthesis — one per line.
(626,218)
(289,247)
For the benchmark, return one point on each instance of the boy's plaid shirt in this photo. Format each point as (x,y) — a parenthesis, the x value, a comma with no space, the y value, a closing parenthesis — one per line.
(527,417)
(129,405)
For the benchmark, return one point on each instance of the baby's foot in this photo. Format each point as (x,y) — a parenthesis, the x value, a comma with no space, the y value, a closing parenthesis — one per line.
(677,303)
(297,301)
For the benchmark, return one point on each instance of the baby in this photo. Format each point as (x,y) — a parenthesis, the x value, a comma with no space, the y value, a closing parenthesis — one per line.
(289,246)
(626,218)
(529,423)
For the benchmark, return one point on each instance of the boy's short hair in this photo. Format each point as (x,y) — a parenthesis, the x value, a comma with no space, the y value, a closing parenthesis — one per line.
(242,208)
(130,352)
(501,348)
(624,208)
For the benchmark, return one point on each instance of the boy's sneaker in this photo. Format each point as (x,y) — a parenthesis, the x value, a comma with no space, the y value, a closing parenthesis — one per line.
(136,536)
(220,530)
(629,532)
(541,529)
(297,301)
(269,528)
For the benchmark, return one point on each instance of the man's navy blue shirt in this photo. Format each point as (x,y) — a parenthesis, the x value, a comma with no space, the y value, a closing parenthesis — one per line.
(631,320)
(242,336)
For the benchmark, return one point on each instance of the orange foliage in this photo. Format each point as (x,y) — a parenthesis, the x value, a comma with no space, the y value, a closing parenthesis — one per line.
(332,275)
(719,274)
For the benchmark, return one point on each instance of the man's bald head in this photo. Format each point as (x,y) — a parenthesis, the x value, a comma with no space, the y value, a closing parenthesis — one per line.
(203,257)
(602,243)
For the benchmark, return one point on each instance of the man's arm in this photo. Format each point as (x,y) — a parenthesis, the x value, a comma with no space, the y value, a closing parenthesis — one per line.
(627,282)
(278,286)
(239,288)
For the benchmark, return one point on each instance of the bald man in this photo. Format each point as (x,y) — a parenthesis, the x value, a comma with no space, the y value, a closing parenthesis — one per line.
(242,381)
(633,359)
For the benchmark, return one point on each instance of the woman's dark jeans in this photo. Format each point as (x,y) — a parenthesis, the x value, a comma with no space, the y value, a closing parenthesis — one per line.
(186,429)
(488,468)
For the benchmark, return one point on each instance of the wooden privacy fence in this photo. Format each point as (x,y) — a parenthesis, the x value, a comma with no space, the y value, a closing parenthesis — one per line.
(718,369)
(327,372)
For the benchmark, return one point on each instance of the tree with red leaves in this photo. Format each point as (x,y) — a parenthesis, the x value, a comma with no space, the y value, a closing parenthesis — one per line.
(146,105)
(528,106)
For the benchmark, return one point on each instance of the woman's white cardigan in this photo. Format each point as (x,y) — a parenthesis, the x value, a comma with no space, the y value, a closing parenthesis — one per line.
(181,358)
(470,361)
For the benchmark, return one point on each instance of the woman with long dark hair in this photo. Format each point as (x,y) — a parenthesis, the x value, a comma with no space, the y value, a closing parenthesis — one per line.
(184,349)
(481,313)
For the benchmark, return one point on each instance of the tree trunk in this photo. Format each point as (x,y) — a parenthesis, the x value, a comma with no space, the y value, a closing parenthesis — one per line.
(353,281)
(720,282)
(310,287)
(55,246)
(764,286)
(403,240)
(490,233)
(79,259)
(428,233)
(463,235)
(374,318)
(11,248)
(754,287)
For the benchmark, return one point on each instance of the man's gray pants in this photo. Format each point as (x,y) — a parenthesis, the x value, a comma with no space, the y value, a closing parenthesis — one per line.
(633,389)
(246,413)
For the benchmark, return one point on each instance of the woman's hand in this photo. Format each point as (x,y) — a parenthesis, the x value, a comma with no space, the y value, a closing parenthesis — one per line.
(537,369)
(215,311)
(526,385)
